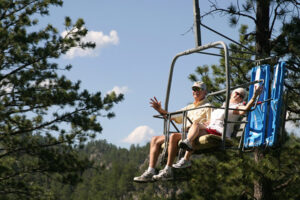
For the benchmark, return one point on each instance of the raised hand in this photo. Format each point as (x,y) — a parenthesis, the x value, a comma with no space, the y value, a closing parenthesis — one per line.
(258,90)
(155,104)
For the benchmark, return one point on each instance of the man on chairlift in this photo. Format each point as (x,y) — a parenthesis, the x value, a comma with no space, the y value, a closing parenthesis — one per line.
(201,116)
(216,125)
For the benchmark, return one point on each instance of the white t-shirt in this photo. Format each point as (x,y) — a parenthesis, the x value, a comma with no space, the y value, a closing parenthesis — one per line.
(217,119)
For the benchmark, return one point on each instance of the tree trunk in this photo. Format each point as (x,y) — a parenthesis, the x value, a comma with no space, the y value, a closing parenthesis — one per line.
(261,188)
(258,186)
(262,28)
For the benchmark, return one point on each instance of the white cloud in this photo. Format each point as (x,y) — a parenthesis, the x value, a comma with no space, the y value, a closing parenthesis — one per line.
(99,38)
(6,86)
(119,90)
(141,134)
(291,127)
(47,83)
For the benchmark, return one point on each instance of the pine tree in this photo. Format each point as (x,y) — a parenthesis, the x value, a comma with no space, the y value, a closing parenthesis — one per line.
(265,42)
(230,174)
(266,39)
(44,117)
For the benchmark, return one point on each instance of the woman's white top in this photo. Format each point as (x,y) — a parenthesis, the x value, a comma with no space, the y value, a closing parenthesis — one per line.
(217,119)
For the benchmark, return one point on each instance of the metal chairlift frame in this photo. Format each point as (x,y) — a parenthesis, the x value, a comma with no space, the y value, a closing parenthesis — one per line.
(227,90)
(227,71)
(199,49)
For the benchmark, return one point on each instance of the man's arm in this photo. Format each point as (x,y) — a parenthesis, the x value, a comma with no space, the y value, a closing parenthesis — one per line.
(157,106)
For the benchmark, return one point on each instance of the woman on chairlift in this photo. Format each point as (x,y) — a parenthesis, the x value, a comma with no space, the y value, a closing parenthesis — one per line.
(216,124)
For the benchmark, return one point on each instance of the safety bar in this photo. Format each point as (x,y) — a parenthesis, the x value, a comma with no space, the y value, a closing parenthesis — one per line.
(216,93)
(232,88)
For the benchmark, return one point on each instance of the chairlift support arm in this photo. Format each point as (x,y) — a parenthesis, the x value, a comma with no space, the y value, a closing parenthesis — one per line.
(227,71)
(197,23)
(226,37)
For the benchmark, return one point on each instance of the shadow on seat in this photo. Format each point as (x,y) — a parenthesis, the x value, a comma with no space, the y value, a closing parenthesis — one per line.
(210,141)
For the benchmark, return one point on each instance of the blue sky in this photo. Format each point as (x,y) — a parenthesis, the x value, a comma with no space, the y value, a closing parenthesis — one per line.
(136,42)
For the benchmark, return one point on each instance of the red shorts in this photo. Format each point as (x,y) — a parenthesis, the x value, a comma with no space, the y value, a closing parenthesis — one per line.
(213,132)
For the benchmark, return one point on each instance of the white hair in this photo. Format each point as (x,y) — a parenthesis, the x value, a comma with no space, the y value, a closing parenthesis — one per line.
(242,91)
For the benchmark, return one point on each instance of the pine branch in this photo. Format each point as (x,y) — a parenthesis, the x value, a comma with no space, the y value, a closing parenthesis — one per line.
(283,185)
(20,150)
(4,15)
(274,19)
(17,192)
(21,67)
(21,173)
(227,11)
(292,119)
(61,118)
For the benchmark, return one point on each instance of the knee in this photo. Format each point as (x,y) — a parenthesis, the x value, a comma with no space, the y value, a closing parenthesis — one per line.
(156,140)
(196,125)
(175,138)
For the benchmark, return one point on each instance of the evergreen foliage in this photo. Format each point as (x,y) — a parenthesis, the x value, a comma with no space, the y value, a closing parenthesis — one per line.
(111,175)
(46,120)
(289,48)
(213,175)
(44,117)
(265,41)
(284,45)
(230,174)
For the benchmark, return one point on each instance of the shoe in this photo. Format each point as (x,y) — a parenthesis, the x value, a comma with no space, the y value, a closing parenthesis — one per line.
(145,177)
(164,175)
(182,163)
(186,145)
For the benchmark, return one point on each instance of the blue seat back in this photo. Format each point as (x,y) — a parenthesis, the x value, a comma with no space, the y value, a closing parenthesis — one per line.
(274,119)
(257,120)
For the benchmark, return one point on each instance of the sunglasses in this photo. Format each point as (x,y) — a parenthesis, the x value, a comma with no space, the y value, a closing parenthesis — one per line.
(240,95)
(197,89)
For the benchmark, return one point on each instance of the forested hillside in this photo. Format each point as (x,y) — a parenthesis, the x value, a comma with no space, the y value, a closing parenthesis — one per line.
(112,174)
(214,175)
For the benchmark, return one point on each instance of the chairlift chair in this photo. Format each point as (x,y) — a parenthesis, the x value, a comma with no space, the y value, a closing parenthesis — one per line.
(212,141)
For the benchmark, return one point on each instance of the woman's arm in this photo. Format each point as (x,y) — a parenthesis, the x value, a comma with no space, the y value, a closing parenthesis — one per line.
(244,109)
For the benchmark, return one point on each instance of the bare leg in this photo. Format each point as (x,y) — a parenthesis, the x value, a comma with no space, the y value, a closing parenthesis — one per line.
(195,131)
(187,155)
(173,147)
(155,147)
